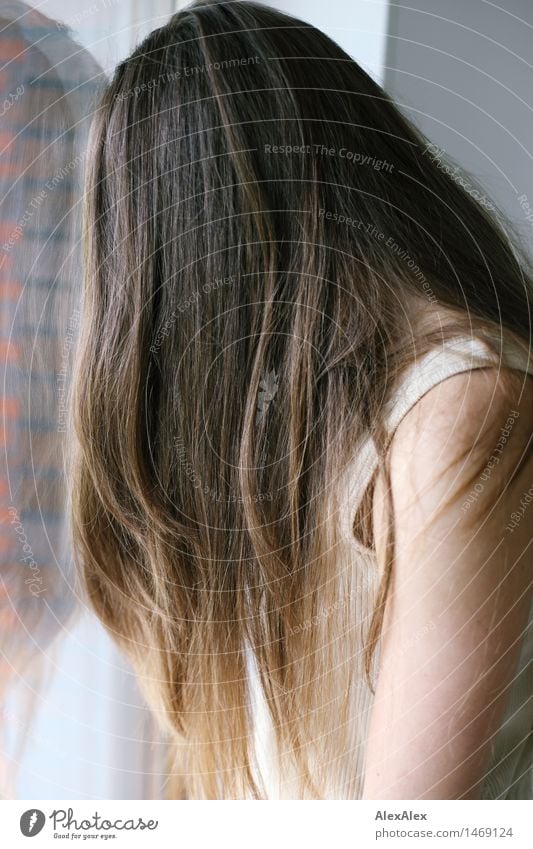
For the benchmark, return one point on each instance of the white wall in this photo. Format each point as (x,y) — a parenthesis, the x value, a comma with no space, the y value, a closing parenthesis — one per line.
(358,26)
(464,71)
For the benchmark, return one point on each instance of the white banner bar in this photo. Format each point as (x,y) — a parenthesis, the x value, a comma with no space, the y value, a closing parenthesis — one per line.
(272,825)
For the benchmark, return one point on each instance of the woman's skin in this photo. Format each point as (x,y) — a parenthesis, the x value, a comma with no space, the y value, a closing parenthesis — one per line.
(461,588)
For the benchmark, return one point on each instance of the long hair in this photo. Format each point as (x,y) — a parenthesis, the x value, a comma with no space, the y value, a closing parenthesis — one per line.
(262,227)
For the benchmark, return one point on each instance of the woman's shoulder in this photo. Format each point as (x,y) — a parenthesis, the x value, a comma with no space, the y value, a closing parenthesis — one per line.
(454,396)
(453,350)
(469,410)
(461,463)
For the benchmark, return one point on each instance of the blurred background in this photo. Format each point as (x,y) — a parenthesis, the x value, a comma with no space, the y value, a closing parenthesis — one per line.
(463,72)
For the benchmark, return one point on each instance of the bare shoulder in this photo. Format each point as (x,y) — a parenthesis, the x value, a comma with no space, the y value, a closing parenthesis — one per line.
(464,421)
(460,463)
(464,447)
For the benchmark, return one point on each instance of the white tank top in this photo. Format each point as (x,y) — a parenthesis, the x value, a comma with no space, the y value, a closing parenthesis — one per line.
(509,775)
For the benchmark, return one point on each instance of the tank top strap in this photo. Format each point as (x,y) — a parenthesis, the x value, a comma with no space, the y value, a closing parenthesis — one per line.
(454,356)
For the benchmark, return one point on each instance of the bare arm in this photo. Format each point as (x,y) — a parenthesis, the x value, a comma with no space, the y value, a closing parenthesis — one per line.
(461,588)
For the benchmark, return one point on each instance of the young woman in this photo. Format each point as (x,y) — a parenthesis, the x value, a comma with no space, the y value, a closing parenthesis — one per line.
(304,421)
